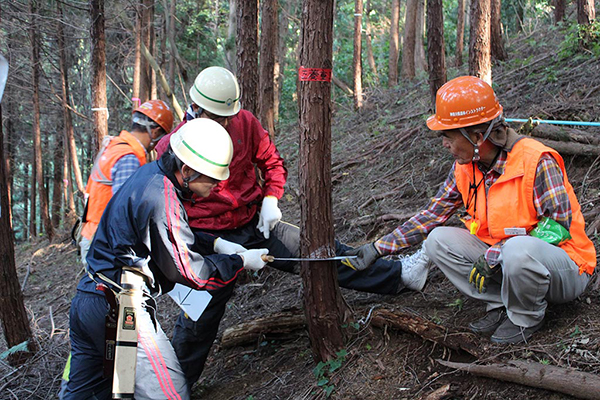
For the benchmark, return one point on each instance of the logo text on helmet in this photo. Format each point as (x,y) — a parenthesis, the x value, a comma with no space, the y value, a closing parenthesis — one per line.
(466,112)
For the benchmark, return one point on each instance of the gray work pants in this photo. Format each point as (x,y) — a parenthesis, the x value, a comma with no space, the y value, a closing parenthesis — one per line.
(534,273)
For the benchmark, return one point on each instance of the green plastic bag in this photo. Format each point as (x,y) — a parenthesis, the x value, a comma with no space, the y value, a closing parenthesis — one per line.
(550,231)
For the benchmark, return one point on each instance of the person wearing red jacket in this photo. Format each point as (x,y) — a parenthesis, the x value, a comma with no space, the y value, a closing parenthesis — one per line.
(240,210)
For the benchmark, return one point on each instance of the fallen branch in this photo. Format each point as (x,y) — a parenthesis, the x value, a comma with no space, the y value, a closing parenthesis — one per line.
(272,326)
(428,330)
(564,134)
(439,394)
(562,380)
(572,148)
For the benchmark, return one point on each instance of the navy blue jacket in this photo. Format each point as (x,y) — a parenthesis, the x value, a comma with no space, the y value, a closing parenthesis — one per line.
(145,226)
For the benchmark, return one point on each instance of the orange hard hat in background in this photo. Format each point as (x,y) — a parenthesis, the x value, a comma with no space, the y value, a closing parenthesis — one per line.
(464,101)
(159,112)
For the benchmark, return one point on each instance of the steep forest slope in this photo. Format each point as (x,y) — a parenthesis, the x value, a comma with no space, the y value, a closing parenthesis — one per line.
(386,164)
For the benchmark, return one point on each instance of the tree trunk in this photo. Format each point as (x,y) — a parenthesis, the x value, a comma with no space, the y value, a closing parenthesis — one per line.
(32,201)
(70,147)
(586,12)
(99,106)
(480,64)
(410,32)
(230,52)
(435,47)
(323,301)
(357,59)
(148,83)
(420,60)
(394,34)
(57,191)
(460,33)
(136,99)
(37,134)
(269,43)
(15,323)
(369,42)
(520,14)
(247,53)
(497,40)
(559,10)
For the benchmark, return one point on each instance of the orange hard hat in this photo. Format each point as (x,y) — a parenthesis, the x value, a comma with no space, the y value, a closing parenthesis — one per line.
(159,112)
(464,101)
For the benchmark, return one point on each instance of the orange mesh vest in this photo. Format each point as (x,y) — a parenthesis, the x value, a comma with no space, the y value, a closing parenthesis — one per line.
(99,186)
(509,201)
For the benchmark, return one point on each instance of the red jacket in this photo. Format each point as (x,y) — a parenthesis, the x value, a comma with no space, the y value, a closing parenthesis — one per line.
(234,202)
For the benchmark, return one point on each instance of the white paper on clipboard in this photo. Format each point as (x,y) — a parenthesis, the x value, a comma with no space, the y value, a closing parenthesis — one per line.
(193,302)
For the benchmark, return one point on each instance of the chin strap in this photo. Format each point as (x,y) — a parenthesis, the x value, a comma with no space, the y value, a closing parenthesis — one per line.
(476,155)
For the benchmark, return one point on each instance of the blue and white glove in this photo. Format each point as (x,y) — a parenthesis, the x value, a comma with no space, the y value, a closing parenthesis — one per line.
(270,215)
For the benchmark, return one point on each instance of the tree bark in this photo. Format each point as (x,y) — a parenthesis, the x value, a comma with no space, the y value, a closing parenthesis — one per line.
(460,34)
(247,53)
(369,42)
(70,147)
(357,58)
(428,330)
(37,134)
(15,323)
(136,99)
(581,385)
(420,60)
(394,43)
(559,10)
(497,40)
(436,50)
(324,306)
(480,64)
(586,12)
(99,106)
(269,43)
(408,48)
(271,327)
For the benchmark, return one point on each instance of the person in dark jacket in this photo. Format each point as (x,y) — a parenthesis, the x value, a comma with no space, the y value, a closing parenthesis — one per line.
(144,234)
(243,211)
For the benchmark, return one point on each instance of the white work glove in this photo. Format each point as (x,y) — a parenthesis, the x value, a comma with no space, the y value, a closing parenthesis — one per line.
(253,259)
(223,246)
(270,215)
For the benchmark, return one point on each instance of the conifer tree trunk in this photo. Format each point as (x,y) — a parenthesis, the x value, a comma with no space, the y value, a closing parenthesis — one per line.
(408,48)
(480,64)
(137,60)
(70,147)
(559,10)
(15,323)
(357,59)
(369,42)
(99,106)
(247,53)
(230,52)
(497,40)
(435,47)
(58,182)
(420,60)
(586,12)
(269,43)
(394,43)
(460,33)
(37,135)
(324,307)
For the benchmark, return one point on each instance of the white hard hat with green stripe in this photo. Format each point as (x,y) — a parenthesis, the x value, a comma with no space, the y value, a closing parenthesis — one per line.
(204,146)
(216,90)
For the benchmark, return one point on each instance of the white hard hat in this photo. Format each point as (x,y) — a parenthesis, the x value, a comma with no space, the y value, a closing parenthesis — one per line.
(204,146)
(216,90)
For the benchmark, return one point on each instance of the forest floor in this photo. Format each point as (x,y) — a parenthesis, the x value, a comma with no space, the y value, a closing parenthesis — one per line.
(386,165)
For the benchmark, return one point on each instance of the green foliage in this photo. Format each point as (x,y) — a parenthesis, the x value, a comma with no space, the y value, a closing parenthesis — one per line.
(458,304)
(579,39)
(576,331)
(323,371)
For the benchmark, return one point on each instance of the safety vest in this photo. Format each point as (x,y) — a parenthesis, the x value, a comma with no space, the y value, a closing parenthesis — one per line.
(99,186)
(509,202)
